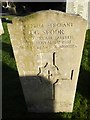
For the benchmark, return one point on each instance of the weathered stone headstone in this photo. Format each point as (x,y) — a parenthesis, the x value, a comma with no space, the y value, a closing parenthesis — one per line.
(1,28)
(48,48)
(79,7)
(89,14)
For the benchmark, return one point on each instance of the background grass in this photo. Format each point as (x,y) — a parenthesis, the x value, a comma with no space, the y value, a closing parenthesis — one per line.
(14,105)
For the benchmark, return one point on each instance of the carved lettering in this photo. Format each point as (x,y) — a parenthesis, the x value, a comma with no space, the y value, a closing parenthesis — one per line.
(55,36)
(51,25)
(53,31)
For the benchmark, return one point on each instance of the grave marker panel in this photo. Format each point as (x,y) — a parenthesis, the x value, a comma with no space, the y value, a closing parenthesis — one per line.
(48,48)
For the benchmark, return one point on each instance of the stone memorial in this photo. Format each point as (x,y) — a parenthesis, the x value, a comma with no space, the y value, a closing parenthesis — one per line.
(89,14)
(79,7)
(1,28)
(48,49)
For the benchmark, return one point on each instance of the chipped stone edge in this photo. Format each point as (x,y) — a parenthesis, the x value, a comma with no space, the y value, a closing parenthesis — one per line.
(48,11)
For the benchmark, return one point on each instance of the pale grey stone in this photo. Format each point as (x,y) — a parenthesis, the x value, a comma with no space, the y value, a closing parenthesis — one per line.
(89,14)
(79,7)
(1,28)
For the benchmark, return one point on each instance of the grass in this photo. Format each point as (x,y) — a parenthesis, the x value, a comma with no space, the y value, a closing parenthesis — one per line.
(14,105)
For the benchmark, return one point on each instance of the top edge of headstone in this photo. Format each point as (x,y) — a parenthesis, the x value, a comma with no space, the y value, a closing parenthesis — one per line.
(34,15)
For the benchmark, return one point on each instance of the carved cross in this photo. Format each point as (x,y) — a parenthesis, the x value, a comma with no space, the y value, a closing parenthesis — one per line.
(51,71)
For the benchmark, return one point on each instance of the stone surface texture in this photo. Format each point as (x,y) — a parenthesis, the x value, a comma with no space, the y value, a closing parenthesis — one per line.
(79,7)
(1,28)
(48,48)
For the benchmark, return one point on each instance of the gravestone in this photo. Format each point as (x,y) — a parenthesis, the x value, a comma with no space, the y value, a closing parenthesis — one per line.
(1,28)
(79,7)
(48,48)
(89,14)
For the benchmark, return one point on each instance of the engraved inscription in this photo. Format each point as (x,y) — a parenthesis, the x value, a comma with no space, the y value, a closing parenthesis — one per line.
(47,32)
(52,35)
(69,24)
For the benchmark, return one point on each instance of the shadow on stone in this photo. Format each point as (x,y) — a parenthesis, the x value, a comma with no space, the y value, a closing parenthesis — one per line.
(39,93)
(14,105)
